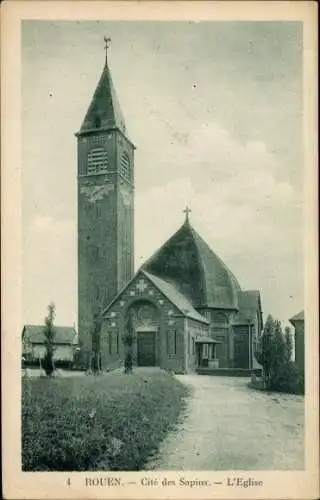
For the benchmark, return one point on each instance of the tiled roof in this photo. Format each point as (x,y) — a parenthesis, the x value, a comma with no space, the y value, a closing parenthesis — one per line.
(63,334)
(222,287)
(187,262)
(175,297)
(297,317)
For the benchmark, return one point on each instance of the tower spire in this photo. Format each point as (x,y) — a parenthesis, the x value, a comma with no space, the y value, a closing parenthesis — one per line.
(107,41)
(104,110)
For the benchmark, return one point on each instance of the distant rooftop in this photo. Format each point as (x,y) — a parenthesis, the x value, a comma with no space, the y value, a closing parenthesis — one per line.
(297,317)
(63,334)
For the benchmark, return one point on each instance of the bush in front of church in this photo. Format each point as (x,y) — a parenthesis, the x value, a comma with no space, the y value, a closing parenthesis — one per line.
(128,363)
(288,379)
(274,353)
(111,422)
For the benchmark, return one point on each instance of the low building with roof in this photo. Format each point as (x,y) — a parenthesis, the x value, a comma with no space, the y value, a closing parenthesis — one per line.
(33,343)
(298,323)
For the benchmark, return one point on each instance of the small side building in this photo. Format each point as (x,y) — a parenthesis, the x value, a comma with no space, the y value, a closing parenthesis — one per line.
(298,323)
(33,343)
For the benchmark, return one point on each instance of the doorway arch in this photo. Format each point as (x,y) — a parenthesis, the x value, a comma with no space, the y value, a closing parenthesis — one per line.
(145,323)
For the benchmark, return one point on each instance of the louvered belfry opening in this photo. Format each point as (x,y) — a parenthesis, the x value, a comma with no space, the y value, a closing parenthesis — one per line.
(125,166)
(97,161)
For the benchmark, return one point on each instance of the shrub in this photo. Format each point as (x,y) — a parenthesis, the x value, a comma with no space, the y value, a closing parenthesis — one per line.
(264,353)
(274,354)
(128,363)
(287,379)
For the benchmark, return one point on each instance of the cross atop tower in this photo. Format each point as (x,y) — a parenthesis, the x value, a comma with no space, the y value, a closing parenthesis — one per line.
(187,211)
(107,41)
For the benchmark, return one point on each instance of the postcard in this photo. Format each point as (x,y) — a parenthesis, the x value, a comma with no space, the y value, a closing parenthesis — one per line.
(159,215)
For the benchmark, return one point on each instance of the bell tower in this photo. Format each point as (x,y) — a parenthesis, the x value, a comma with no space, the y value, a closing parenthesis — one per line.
(105,205)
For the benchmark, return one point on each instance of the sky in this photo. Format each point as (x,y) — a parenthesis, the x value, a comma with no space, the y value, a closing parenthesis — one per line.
(215,111)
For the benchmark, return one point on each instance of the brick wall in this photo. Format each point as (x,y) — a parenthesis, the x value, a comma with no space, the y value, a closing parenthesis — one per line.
(172,351)
(105,228)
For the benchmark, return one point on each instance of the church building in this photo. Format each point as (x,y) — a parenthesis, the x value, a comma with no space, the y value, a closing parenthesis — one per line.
(184,306)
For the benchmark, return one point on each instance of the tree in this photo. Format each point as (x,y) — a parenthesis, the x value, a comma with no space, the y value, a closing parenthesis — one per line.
(278,357)
(49,334)
(128,340)
(274,354)
(96,343)
(264,353)
(288,344)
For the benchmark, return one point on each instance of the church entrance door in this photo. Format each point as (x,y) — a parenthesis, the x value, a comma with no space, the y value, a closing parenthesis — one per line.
(146,349)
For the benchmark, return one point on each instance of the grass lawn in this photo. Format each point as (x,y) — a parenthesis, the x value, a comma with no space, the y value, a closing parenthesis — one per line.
(108,422)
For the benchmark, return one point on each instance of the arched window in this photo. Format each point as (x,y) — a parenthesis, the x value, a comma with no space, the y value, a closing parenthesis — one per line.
(97,161)
(125,166)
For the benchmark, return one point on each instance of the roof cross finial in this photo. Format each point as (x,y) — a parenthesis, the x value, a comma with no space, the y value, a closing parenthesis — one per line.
(187,211)
(107,41)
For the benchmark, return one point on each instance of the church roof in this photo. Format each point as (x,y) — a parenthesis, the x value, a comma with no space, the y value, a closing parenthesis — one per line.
(189,264)
(175,297)
(104,111)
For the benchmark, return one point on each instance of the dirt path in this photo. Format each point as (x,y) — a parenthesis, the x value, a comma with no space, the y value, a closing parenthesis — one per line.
(229,426)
